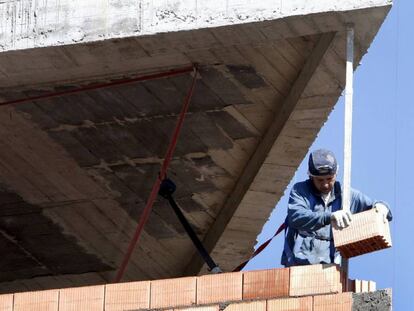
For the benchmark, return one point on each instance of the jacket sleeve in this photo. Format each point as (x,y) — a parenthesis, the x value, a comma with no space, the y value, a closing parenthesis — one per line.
(301,216)
(361,202)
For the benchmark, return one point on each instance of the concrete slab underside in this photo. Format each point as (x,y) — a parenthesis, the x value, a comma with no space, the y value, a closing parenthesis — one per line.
(76,170)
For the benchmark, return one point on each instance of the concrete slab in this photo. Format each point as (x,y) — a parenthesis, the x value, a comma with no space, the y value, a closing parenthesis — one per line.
(47,23)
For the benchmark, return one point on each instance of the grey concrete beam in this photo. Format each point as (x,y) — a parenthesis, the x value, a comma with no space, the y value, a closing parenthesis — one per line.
(29,24)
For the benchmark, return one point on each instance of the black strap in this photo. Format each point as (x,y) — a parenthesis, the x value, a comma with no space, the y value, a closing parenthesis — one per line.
(167,188)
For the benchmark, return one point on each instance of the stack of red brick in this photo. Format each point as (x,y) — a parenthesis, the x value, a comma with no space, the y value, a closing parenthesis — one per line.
(317,288)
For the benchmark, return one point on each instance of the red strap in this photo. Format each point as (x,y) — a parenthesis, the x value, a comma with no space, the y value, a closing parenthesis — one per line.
(156,186)
(260,249)
(169,73)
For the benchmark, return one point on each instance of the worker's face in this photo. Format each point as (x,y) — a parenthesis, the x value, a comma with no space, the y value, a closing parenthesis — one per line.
(324,184)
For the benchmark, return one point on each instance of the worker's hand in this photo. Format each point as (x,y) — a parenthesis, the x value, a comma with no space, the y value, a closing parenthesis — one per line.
(341,219)
(382,209)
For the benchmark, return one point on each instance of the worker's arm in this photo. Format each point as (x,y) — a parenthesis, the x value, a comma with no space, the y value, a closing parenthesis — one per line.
(300,215)
(361,202)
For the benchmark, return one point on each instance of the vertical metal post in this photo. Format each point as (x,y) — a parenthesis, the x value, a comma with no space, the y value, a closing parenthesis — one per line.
(346,199)
(346,196)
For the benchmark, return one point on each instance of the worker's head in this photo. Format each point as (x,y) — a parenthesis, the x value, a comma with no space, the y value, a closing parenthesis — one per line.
(322,168)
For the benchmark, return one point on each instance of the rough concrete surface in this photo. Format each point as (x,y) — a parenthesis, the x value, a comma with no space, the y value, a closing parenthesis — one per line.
(86,162)
(380,300)
(35,23)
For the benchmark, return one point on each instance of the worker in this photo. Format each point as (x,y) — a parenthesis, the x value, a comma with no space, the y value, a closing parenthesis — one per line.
(315,205)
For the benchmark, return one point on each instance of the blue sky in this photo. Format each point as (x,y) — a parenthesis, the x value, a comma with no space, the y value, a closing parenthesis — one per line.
(382,155)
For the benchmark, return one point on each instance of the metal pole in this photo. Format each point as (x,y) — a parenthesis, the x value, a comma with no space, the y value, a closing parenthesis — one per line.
(346,196)
(346,199)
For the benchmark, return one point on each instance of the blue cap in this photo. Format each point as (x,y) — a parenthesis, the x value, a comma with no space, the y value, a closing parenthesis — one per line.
(322,162)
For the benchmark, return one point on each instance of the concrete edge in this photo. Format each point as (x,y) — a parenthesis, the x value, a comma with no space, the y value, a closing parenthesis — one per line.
(380,300)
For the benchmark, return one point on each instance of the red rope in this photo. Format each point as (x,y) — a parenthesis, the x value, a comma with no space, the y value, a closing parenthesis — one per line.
(156,186)
(260,249)
(169,73)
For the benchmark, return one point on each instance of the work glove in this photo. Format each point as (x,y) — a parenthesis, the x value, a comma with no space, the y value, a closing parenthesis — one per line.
(341,219)
(382,209)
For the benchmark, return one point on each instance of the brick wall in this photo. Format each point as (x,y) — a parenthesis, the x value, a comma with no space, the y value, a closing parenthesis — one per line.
(317,287)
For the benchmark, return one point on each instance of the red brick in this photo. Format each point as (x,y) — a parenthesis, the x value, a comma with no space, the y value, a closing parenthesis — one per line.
(89,298)
(351,286)
(126,296)
(358,286)
(367,233)
(361,286)
(337,302)
(219,288)
(248,306)
(173,292)
(201,308)
(290,304)
(266,284)
(364,286)
(345,281)
(314,279)
(6,302)
(372,286)
(47,300)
